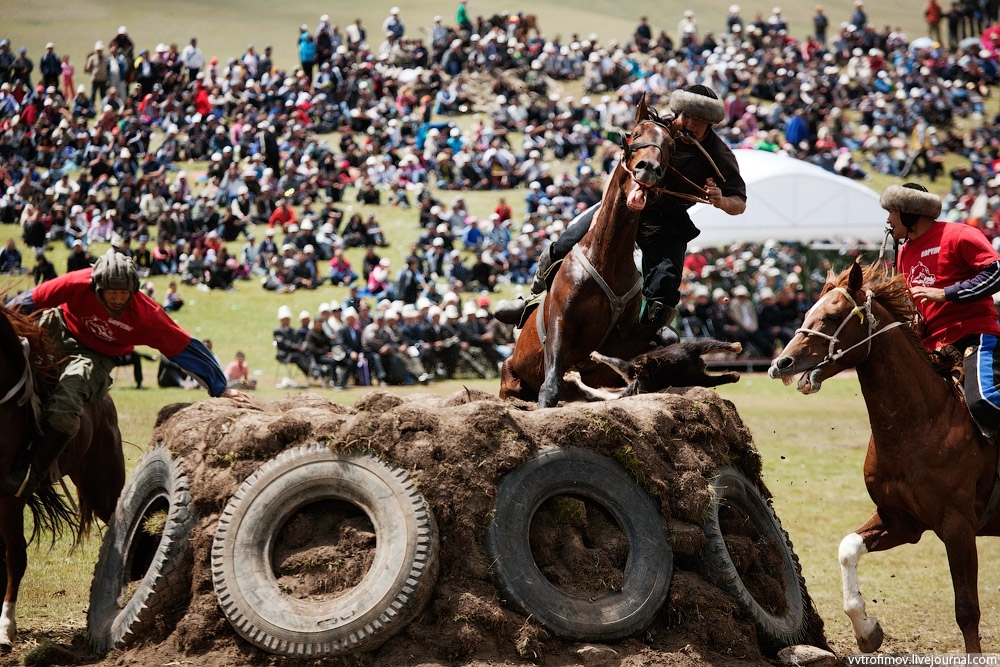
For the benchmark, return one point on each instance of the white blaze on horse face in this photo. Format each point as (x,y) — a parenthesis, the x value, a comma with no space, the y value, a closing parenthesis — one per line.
(8,626)
(852,548)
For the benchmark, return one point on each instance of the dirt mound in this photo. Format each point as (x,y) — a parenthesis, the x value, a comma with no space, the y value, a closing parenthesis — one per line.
(457,449)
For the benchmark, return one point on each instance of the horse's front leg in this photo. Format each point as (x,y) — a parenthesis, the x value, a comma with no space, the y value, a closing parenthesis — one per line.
(874,535)
(548,393)
(959,536)
(16,551)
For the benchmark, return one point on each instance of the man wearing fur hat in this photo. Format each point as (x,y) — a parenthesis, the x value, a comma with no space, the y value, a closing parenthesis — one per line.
(952,271)
(665,228)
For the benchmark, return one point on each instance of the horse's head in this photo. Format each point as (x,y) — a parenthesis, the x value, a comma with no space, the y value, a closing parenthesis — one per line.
(836,333)
(646,153)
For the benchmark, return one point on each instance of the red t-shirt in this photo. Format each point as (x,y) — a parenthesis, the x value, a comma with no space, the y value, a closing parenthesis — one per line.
(946,254)
(144,322)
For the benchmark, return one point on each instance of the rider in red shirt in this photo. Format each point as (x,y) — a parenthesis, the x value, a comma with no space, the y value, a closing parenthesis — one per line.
(95,315)
(952,271)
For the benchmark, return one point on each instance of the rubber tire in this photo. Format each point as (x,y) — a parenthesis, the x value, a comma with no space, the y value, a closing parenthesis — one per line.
(773,632)
(392,592)
(580,472)
(158,478)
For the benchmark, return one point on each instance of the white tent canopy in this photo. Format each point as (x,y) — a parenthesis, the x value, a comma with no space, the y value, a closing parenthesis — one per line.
(793,200)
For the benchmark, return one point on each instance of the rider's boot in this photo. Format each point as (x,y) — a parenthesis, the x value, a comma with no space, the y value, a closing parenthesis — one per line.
(31,466)
(511,311)
(654,323)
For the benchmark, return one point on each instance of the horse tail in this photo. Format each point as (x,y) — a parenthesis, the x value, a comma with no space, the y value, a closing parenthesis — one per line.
(53,513)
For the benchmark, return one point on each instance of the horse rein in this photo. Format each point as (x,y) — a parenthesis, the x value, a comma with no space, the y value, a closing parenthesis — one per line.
(24,387)
(862,311)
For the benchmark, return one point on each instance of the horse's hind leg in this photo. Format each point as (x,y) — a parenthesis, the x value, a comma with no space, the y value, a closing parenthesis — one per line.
(874,535)
(959,536)
(620,366)
(16,548)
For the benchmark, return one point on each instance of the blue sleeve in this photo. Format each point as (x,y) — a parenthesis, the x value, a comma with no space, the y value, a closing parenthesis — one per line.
(23,302)
(983,284)
(201,364)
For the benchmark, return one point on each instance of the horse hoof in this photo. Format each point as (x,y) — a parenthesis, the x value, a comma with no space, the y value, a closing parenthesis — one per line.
(873,641)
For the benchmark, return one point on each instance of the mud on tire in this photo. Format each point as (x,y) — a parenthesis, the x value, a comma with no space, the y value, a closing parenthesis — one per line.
(391,593)
(740,516)
(144,565)
(573,471)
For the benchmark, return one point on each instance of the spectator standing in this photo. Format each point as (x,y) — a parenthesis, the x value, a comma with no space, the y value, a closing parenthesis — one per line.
(21,68)
(307,53)
(859,19)
(67,71)
(462,16)
(933,13)
(6,61)
(193,59)
(820,23)
(50,66)
(393,24)
(98,69)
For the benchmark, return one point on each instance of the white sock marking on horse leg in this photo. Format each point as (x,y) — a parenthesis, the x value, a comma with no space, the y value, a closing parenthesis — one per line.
(852,548)
(8,626)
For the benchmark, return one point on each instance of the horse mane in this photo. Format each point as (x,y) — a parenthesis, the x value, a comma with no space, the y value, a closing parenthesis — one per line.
(891,292)
(42,352)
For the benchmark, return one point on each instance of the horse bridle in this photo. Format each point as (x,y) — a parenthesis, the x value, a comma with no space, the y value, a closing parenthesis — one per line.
(628,146)
(862,311)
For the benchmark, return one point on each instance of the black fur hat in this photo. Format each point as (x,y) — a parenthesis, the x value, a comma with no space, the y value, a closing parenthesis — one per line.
(699,102)
(909,199)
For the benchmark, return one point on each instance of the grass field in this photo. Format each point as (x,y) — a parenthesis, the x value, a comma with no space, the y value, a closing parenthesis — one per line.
(813,447)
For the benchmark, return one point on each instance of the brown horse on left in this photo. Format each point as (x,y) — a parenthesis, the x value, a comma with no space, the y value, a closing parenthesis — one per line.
(595,298)
(93,460)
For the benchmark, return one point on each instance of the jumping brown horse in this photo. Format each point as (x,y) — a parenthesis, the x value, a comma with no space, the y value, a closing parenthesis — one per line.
(928,466)
(93,460)
(594,300)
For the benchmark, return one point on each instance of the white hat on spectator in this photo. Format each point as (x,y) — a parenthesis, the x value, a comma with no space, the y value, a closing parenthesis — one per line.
(469,308)
(323,307)
(741,290)
(350,312)
(766,293)
(409,310)
(482,312)
(284,312)
(98,45)
(451,312)
(719,293)
(304,315)
(437,242)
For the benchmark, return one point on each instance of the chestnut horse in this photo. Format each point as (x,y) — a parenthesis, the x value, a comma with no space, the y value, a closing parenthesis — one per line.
(93,460)
(928,466)
(594,300)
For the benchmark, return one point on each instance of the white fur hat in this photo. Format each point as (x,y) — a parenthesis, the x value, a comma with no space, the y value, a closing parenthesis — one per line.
(910,200)
(699,102)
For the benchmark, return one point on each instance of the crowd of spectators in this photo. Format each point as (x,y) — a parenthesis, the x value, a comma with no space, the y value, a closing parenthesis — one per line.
(108,163)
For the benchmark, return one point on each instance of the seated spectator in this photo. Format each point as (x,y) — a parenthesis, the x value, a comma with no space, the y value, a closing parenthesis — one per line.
(10,259)
(349,339)
(320,347)
(289,345)
(341,272)
(43,269)
(79,257)
(172,301)
(238,373)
